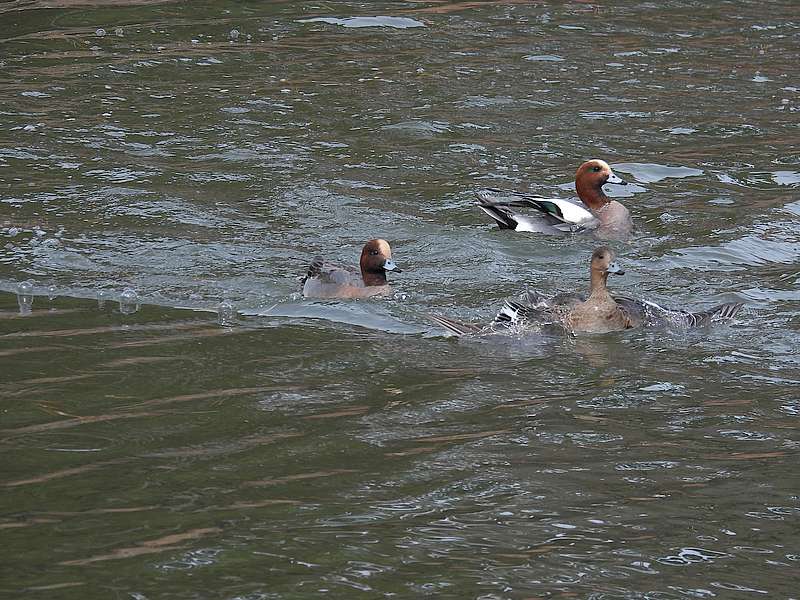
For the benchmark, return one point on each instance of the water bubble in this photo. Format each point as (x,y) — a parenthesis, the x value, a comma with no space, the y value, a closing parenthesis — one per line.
(25,297)
(234,35)
(226,313)
(52,292)
(119,32)
(128,301)
(100,32)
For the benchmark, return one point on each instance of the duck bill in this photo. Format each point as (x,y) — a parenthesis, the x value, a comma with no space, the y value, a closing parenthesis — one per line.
(614,269)
(613,178)
(389,265)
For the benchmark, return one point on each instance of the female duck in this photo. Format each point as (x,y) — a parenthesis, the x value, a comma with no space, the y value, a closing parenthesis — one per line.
(608,219)
(599,312)
(325,280)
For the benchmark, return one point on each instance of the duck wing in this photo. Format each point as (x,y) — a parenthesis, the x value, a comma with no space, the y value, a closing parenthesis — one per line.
(328,280)
(527,308)
(314,270)
(508,219)
(645,312)
(550,215)
(458,328)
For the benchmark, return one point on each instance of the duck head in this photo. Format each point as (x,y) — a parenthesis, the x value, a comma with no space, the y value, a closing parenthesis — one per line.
(604,263)
(376,259)
(590,178)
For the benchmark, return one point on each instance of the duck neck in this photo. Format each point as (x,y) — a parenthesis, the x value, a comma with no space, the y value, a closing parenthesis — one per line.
(591,195)
(598,287)
(373,277)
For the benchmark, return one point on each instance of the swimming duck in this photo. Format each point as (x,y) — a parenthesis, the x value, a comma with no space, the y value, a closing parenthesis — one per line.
(599,312)
(325,280)
(606,218)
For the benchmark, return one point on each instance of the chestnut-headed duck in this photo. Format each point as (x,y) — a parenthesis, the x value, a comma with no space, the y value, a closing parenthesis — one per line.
(325,280)
(604,217)
(599,312)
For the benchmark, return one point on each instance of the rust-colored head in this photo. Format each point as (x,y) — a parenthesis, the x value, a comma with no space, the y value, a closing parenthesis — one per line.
(376,259)
(590,178)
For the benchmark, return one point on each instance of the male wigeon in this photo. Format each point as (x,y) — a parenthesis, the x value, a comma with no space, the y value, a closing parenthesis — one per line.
(606,218)
(325,280)
(600,312)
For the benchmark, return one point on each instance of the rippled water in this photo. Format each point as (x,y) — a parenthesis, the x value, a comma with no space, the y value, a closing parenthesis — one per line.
(195,153)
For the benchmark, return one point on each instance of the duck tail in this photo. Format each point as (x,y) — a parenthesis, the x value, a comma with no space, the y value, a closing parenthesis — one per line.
(314,270)
(458,328)
(502,215)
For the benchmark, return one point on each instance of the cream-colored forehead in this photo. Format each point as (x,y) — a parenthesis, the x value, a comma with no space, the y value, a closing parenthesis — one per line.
(598,163)
(382,246)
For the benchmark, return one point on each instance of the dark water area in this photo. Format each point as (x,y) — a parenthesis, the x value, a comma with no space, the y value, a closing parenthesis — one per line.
(158,159)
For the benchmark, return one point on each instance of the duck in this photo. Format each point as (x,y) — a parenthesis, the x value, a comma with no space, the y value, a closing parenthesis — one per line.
(326,280)
(597,312)
(604,217)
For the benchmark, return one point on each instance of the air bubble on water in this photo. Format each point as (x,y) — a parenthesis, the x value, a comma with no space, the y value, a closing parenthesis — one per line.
(52,292)
(25,297)
(100,32)
(128,301)
(226,313)
(401,296)
(234,35)
(119,32)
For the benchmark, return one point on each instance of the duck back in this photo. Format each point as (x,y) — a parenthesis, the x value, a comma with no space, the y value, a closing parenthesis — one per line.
(325,280)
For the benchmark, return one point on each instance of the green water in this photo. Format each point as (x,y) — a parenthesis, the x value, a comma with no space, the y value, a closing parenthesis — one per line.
(350,449)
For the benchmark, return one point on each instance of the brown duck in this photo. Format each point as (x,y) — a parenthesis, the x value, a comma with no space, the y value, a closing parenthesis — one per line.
(324,280)
(599,312)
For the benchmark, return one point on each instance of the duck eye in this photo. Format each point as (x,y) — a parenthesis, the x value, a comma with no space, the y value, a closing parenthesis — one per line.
(596,169)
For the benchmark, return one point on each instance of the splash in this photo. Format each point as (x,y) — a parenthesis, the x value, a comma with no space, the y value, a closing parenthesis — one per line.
(128,301)
(25,297)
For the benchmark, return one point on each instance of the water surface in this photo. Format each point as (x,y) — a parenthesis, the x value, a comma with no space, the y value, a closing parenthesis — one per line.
(203,152)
